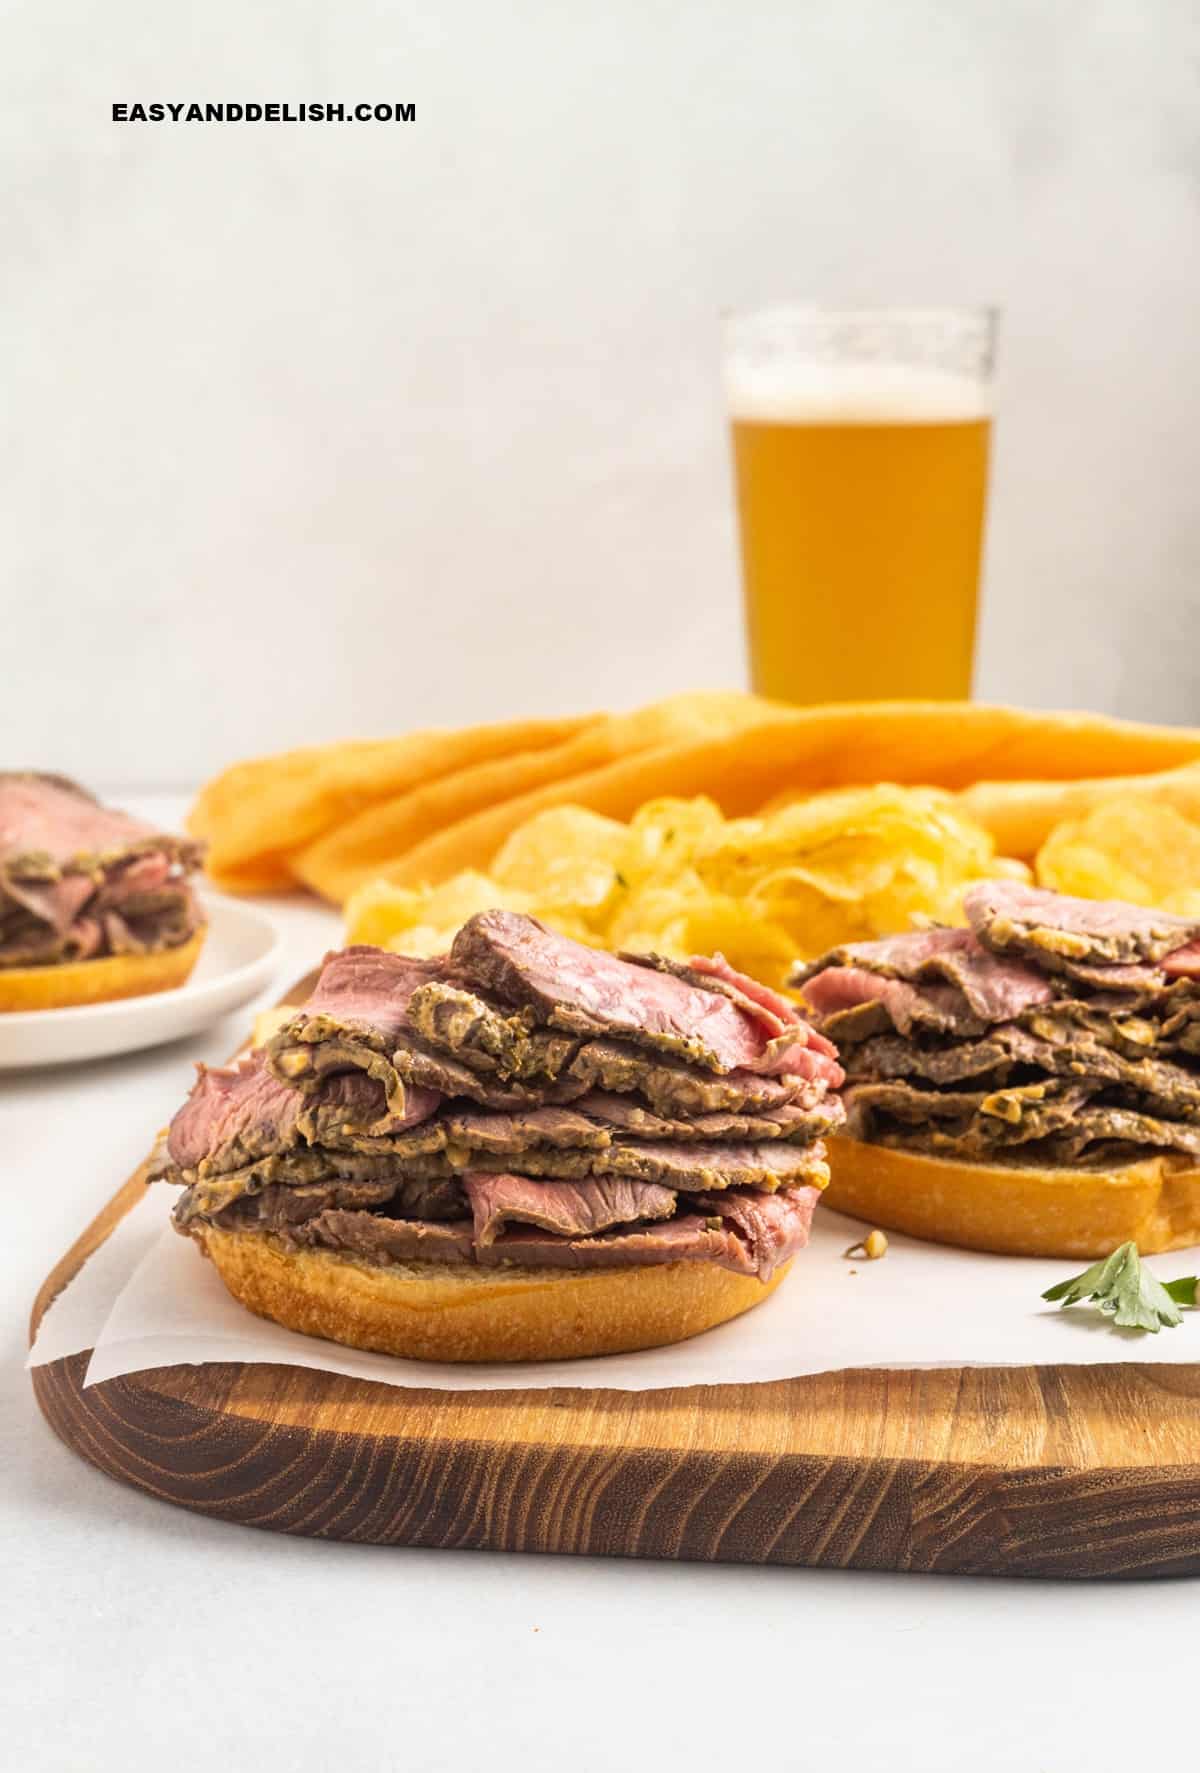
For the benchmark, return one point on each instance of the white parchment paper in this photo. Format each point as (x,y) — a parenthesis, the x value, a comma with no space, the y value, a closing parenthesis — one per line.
(147,1299)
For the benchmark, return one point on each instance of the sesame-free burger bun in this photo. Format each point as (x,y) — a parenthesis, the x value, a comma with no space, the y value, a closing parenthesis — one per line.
(443,1311)
(1017,1209)
(58,987)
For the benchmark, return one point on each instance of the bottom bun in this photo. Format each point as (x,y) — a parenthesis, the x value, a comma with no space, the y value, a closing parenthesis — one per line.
(58,987)
(1017,1211)
(456,1312)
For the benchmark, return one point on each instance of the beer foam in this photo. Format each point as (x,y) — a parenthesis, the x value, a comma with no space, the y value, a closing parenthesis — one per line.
(853,394)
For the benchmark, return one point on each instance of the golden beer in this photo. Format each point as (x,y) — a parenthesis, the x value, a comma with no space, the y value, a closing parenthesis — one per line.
(861,492)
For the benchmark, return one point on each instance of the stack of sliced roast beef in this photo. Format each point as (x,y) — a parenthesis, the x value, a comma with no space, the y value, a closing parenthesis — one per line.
(1052,1030)
(524,1100)
(78,880)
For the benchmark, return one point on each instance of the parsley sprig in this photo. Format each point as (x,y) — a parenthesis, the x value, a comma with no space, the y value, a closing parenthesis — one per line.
(1125,1290)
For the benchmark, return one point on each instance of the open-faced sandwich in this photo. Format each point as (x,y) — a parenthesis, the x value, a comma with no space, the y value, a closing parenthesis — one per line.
(93,904)
(1030,1083)
(524,1149)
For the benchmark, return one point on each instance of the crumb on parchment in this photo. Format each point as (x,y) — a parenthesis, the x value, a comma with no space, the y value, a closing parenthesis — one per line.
(869,1248)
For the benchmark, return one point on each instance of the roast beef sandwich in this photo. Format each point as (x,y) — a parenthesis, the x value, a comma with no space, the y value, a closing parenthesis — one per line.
(93,904)
(525,1149)
(1030,1083)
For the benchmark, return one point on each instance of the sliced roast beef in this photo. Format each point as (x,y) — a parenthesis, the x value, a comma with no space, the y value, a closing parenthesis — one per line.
(995,1118)
(362,992)
(372,1237)
(313,1174)
(852,1004)
(375,1238)
(687,1167)
(1180,1026)
(1097,1133)
(50,823)
(714,973)
(689,1237)
(1183,963)
(135,932)
(485,1037)
(136,883)
(670,1085)
(233,1114)
(569,1209)
(520,1130)
(203,1199)
(742,1236)
(628,1117)
(377,1012)
(776,1012)
(26,942)
(567,1103)
(418,1064)
(779,1163)
(302,1167)
(439,1026)
(351,1110)
(1064,1122)
(748,1236)
(885,1056)
(994,989)
(585,991)
(79,880)
(1133,983)
(55,904)
(278,1209)
(1105,1124)
(1071,1030)
(673,1088)
(1052,927)
(774,1226)
(1011,1050)
(460,1131)
(237,1113)
(1101,1020)
(353,1021)
(412,1142)
(238,1116)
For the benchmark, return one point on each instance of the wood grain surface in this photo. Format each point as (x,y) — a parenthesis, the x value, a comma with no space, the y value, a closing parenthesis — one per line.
(1050,1471)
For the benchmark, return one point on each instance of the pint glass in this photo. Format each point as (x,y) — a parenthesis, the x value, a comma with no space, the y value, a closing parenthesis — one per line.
(860,444)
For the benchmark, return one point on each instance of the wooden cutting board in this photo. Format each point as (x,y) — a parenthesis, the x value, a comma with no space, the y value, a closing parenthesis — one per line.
(1048,1471)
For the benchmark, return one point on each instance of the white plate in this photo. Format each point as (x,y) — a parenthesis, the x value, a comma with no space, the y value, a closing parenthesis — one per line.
(237,959)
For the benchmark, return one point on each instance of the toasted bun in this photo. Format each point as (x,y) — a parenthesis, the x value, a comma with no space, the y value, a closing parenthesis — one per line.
(96,981)
(456,1312)
(1017,1210)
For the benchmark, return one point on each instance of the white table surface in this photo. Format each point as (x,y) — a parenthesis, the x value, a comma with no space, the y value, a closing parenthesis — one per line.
(137,1636)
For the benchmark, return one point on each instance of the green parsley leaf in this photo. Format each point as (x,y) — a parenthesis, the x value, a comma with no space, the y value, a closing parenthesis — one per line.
(1124,1289)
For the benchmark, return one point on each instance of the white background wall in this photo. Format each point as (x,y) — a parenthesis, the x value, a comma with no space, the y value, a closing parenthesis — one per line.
(312,430)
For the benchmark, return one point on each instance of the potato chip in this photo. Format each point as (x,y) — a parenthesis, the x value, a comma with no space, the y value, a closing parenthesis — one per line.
(756,943)
(566,857)
(376,912)
(679,879)
(380,912)
(267,1023)
(423,921)
(655,914)
(1139,850)
(664,835)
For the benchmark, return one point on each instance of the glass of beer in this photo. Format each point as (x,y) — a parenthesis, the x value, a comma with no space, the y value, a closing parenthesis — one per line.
(860,444)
